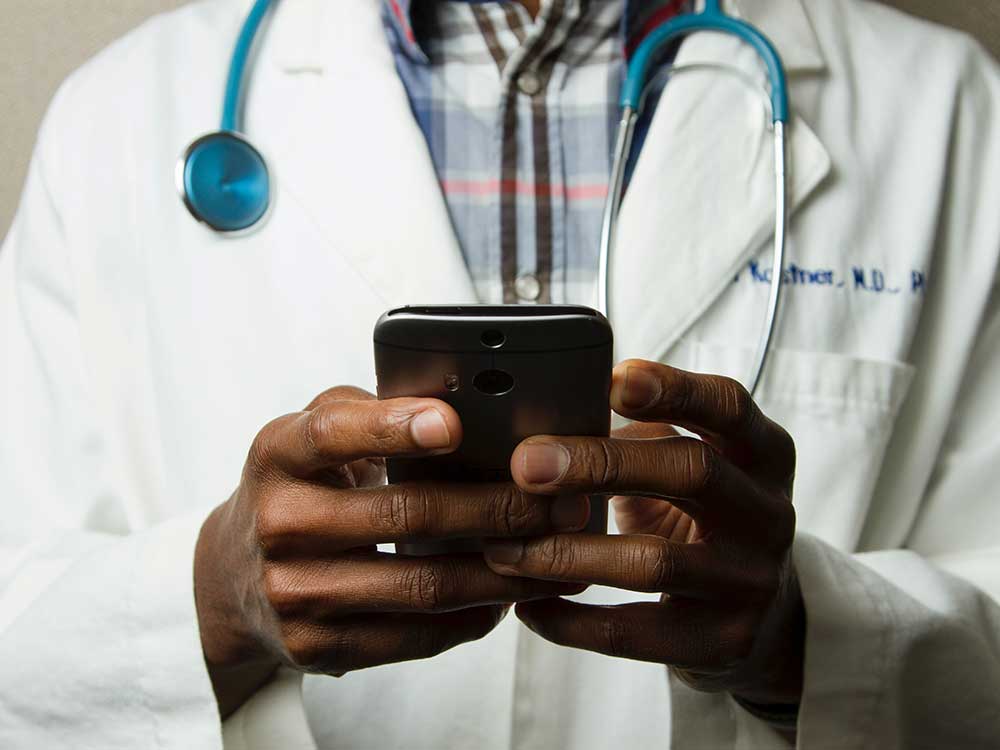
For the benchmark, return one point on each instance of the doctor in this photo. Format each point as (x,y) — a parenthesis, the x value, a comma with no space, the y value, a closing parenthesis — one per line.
(452,152)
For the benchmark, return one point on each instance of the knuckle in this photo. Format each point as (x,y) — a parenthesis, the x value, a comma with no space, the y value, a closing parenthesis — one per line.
(402,512)
(603,463)
(272,530)
(318,650)
(701,465)
(658,562)
(502,508)
(299,645)
(413,511)
(382,431)
(320,424)
(513,513)
(399,509)
(558,555)
(386,427)
(423,587)
(260,459)
(340,393)
(617,637)
(677,394)
(611,463)
(737,404)
(338,651)
(280,591)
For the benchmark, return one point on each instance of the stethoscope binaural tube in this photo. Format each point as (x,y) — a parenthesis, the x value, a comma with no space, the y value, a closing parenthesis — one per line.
(633,94)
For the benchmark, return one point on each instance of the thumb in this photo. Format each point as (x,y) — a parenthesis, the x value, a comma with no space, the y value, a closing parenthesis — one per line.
(340,393)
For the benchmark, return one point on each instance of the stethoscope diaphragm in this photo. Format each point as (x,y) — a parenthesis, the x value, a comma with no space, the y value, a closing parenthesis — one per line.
(224,181)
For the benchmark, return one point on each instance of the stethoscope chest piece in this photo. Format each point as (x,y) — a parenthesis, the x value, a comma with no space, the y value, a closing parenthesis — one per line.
(224,182)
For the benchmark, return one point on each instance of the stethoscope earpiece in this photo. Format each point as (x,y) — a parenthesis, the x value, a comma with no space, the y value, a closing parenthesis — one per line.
(224,182)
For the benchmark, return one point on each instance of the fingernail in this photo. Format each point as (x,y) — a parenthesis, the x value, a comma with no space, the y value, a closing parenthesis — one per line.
(640,389)
(429,430)
(542,463)
(569,513)
(504,553)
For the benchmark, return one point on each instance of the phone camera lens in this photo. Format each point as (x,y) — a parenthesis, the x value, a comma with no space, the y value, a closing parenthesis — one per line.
(493,339)
(451,382)
(493,382)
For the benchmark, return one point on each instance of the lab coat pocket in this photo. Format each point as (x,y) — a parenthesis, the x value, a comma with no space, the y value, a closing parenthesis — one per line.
(840,410)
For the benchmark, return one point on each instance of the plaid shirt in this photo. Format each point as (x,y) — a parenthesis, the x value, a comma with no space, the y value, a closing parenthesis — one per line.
(520,117)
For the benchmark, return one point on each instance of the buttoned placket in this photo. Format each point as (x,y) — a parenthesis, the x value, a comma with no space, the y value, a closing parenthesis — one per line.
(526,92)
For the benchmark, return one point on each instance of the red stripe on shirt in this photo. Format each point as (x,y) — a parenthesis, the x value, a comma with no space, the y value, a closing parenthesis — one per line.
(520,187)
(403,21)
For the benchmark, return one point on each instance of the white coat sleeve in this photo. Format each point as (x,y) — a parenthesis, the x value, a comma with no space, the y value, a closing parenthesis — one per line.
(903,646)
(99,644)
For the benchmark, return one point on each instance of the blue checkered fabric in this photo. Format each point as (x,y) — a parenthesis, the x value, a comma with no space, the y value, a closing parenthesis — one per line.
(519,116)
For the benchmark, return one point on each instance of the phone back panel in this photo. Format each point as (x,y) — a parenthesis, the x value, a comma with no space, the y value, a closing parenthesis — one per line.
(510,372)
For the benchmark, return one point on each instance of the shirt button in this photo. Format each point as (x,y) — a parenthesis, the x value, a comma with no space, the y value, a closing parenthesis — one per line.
(528,83)
(527,287)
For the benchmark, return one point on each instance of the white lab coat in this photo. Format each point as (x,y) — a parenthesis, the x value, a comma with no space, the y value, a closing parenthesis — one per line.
(141,353)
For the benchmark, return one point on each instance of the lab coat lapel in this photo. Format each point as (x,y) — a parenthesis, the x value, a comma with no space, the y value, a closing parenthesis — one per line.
(701,200)
(349,156)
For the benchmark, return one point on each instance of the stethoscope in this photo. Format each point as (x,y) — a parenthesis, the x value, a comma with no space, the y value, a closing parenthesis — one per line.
(225,183)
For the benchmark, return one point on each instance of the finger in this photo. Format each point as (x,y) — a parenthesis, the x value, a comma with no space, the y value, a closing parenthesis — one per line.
(321,521)
(716,407)
(636,563)
(366,472)
(687,471)
(647,515)
(339,432)
(380,582)
(368,641)
(684,635)
(341,393)
(644,431)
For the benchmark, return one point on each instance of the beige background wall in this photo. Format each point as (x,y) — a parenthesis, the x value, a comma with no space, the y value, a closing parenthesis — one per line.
(42,40)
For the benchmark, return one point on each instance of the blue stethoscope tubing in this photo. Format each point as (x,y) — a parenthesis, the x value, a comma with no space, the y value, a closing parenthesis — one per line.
(225,183)
(637,79)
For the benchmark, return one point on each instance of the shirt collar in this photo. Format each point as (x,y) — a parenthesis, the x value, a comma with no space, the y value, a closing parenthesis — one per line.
(641,17)
(785,22)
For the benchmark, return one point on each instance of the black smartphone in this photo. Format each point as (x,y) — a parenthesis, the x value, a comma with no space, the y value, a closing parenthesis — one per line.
(510,371)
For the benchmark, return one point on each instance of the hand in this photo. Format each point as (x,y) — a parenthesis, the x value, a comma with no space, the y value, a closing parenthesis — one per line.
(287,570)
(708,523)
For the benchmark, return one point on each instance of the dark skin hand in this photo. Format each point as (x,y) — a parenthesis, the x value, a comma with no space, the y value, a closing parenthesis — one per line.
(287,571)
(708,524)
